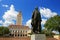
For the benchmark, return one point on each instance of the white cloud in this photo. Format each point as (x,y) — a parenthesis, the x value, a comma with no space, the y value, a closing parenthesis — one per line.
(9,16)
(1,22)
(47,13)
(43,21)
(28,23)
(5,5)
(7,23)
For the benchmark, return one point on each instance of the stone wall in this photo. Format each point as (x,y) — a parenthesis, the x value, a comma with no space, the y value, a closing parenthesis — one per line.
(15,38)
(22,38)
(51,39)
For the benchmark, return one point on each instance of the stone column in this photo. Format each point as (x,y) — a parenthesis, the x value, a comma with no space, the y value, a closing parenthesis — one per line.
(17,33)
(14,33)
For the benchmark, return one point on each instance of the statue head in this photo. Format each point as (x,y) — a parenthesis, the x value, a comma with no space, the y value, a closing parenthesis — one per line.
(36,8)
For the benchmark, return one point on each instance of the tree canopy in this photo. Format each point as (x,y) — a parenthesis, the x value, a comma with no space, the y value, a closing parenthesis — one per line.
(3,30)
(53,24)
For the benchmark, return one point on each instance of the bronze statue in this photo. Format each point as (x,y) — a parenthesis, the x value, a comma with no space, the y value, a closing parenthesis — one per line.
(36,21)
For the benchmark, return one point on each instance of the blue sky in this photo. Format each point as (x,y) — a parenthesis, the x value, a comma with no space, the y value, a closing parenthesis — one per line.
(48,8)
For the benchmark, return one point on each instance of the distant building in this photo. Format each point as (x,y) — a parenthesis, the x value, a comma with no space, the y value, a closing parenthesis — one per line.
(19,29)
(19,19)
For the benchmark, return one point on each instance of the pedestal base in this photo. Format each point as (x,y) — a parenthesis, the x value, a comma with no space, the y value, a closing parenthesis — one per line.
(38,37)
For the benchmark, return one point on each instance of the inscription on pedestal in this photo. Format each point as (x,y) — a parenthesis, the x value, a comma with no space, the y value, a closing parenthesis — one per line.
(38,37)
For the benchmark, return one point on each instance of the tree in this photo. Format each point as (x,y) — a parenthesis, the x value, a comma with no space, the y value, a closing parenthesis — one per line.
(48,33)
(4,30)
(1,31)
(53,24)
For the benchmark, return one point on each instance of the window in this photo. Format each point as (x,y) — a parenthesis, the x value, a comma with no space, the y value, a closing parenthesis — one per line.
(21,31)
(21,35)
(26,31)
(25,34)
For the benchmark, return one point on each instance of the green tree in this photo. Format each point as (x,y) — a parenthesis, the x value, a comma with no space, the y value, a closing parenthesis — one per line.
(3,30)
(53,24)
(48,33)
(6,30)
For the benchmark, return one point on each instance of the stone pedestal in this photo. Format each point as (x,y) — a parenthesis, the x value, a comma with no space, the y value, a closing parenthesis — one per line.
(38,37)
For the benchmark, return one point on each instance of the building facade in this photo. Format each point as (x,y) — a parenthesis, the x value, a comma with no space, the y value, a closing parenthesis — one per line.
(19,30)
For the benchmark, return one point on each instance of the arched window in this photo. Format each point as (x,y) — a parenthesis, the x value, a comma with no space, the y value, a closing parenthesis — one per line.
(25,34)
(21,35)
